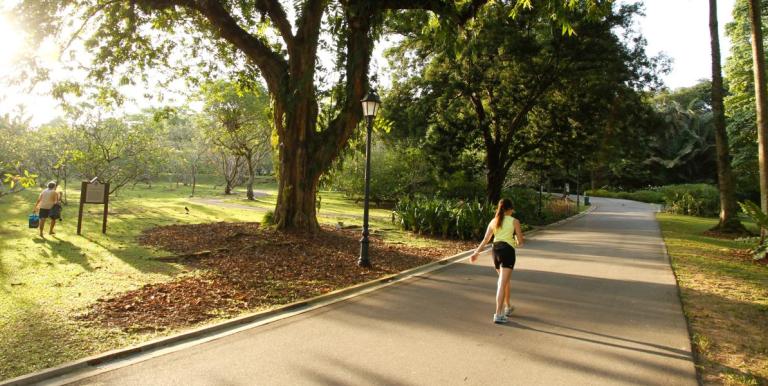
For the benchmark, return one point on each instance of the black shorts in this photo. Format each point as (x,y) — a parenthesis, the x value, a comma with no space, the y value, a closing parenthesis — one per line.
(503,255)
(44,213)
(54,213)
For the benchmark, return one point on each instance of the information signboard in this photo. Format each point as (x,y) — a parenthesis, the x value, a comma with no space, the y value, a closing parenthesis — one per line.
(93,192)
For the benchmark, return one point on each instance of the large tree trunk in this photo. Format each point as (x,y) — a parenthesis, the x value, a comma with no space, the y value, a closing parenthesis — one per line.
(495,185)
(494,176)
(305,152)
(297,188)
(299,172)
(761,99)
(729,221)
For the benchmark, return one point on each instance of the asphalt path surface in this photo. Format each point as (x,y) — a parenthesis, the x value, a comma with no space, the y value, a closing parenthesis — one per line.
(596,304)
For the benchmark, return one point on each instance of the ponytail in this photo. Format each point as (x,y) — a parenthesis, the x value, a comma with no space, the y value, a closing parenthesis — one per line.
(505,204)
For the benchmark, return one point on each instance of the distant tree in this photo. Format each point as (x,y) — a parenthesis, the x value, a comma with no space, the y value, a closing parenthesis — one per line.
(114,150)
(684,149)
(14,142)
(240,124)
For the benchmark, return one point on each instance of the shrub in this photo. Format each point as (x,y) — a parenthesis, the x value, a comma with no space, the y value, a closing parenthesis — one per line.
(649,196)
(396,172)
(689,199)
(445,218)
(761,219)
(269,219)
(467,220)
(526,203)
(692,199)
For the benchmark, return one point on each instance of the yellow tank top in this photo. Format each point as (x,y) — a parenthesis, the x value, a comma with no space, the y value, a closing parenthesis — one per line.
(506,232)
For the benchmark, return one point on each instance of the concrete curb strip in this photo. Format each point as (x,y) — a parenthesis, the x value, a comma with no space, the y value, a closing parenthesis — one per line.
(690,349)
(58,374)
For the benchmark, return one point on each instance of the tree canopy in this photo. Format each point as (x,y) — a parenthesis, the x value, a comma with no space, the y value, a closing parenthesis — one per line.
(511,87)
(247,39)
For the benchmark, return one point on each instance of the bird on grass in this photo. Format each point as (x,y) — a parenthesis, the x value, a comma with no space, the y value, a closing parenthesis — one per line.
(186,209)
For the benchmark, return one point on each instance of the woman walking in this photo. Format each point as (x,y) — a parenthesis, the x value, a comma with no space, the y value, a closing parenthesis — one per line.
(503,228)
(45,203)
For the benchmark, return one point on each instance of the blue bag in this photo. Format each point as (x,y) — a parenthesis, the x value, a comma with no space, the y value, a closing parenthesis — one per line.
(34,220)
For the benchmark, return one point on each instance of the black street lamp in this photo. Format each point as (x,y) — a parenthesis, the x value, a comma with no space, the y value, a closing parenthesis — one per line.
(371,104)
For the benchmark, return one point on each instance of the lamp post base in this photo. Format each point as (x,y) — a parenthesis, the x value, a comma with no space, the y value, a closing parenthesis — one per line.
(363,261)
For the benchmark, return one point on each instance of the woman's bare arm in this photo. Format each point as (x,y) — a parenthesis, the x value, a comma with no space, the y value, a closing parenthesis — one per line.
(486,239)
(519,233)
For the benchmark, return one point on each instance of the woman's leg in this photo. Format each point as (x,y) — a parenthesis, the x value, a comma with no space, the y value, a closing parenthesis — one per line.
(503,289)
(506,295)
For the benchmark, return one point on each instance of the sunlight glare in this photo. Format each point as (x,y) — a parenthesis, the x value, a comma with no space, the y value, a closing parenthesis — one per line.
(13,40)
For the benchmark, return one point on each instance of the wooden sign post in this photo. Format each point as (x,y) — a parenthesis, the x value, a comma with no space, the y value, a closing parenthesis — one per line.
(93,192)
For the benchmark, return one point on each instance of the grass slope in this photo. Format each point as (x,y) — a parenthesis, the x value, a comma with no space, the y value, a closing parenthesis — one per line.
(725,299)
(44,284)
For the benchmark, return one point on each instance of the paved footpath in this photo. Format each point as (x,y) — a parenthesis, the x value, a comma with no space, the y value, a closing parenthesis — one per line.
(596,304)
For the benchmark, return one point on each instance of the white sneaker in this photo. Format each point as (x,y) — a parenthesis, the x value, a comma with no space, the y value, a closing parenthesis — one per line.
(500,319)
(508,311)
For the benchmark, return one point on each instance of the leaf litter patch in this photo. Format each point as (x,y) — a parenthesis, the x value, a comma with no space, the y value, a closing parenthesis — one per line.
(238,267)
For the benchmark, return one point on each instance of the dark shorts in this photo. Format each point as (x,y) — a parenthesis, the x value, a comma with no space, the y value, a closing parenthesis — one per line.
(503,255)
(44,213)
(54,213)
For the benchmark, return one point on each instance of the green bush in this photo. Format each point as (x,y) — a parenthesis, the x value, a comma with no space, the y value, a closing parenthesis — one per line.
(396,171)
(445,218)
(268,219)
(649,196)
(761,219)
(460,186)
(526,203)
(467,220)
(692,199)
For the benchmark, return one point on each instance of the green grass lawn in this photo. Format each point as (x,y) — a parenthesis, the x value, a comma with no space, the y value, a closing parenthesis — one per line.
(44,284)
(725,299)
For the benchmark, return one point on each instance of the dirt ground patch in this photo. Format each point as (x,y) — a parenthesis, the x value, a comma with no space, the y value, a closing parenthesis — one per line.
(240,266)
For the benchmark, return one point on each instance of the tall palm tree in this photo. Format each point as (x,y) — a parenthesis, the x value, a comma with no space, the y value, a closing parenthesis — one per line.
(729,221)
(761,99)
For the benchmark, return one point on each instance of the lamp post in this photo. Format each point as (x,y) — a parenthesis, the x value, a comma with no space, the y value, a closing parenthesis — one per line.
(371,104)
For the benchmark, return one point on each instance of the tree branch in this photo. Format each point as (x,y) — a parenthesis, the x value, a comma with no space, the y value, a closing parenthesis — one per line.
(277,14)
(359,49)
(482,118)
(272,65)
(440,7)
(307,37)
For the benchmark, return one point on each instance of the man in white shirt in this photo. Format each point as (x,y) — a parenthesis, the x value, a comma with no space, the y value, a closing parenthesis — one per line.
(48,198)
